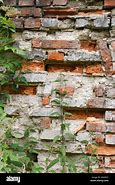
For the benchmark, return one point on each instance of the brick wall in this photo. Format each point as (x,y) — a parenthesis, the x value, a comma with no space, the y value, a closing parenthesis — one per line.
(76,38)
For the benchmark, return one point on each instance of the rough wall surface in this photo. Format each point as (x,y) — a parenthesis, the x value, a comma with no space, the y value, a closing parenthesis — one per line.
(76,38)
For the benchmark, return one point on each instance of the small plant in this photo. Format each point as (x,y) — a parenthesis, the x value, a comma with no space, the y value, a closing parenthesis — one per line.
(10,57)
(58,146)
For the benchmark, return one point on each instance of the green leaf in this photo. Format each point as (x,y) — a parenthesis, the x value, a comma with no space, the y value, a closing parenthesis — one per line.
(63,150)
(69,136)
(56,138)
(55,114)
(52,163)
(37,168)
(67,114)
(1,110)
(56,101)
(23,80)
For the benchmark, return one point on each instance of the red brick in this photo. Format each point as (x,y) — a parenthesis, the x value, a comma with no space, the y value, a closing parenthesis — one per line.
(52,12)
(45,100)
(28,90)
(96,126)
(64,68)
(32,23)
(34,66)
(26,12)
(77,69)
(106,55)
(45,122)
(26,2)
(36,43)
(93,69)
(98,170)
(102,150)
(36,12)
(57,56)
(69,90)
(19,22)
(99,138)
(99,91)
(43,2)
(88,45)
(109,3)
(96,103)
(59,44)
(80,114)
(60,3)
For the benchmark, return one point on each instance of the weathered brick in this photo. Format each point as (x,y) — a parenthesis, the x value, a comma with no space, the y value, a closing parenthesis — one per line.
(113,22)
(81,23)
(52,12)
(99,91)
(88,45)
(109,3)
(98,170)
(102,22)
(64,68)
(96,103)
(93,69)
(112,48)
(26,2)
(36,43)
(36,12)
(10,2)
(110,139)
(111,93)
(57,56)
(80,114)
(43,3)
(106,55)
(35,77)
(99,138)
(110,162)
(45,100)
(83,135)
(110,127)
(60,3)
(50,23)
(49,134)
(43,112)
(45,123)
(82,55)
(102,150)
(28,90)
(24,100)
(97,20)
(59,44)
(69,90)
(96,126)
(34,66)
(19,22)
(110,103)
(37,54)
(32,23)
(110,115)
